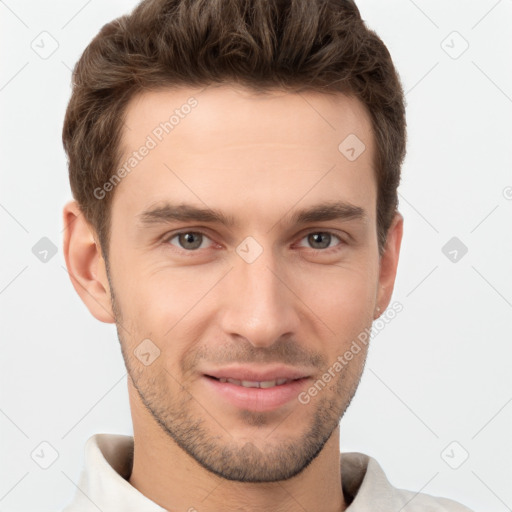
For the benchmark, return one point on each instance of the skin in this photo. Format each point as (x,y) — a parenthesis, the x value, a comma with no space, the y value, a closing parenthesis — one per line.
(301,302)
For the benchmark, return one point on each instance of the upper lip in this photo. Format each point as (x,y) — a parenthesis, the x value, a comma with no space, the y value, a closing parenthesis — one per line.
(254,374)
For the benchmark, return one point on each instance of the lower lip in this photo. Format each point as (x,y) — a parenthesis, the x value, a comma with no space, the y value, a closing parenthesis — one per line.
(257,399)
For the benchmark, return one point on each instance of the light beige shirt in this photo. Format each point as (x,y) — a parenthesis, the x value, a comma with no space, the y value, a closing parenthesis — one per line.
(108,461)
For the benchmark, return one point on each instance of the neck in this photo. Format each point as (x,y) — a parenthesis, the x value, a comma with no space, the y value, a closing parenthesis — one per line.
(167,475)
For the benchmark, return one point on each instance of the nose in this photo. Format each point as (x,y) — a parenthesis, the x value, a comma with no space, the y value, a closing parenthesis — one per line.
(259,304)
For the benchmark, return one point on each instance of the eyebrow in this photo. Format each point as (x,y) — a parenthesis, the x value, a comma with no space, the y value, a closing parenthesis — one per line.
(168,212)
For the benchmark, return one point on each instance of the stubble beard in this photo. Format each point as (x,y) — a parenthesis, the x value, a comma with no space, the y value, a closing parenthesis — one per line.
(220,453)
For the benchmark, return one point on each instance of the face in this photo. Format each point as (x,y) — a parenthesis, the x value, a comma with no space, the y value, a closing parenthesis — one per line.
(243,263)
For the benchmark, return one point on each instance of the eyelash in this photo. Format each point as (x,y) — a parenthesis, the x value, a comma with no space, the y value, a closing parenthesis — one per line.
(327,250)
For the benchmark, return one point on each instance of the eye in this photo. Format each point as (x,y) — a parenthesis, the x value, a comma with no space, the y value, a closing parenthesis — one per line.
(321,240)
(189,240)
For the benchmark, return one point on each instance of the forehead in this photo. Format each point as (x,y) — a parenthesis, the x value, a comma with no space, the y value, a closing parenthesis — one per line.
(230,145)
(248,116)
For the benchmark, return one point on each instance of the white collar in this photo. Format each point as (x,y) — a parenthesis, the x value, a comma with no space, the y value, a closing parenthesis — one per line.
(104,483)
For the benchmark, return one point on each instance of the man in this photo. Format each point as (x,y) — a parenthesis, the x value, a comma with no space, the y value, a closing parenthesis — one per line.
(235,167)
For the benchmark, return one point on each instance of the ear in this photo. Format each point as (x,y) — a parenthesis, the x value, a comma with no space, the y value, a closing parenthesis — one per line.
(85,263)
(389,263)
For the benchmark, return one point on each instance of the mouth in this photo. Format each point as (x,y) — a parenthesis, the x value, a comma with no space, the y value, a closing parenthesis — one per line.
(255,390)
(264,384)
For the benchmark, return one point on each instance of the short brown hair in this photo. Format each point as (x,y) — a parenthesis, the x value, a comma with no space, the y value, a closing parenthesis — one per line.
(291,45)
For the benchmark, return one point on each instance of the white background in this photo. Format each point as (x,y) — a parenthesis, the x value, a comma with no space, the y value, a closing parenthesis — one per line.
(438,373)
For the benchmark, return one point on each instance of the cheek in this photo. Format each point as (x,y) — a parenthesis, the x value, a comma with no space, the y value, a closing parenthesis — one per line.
(165,305)
(156,303)
(342,296)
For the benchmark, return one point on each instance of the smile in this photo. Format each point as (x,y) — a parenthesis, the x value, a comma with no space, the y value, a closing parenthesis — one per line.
(256,384)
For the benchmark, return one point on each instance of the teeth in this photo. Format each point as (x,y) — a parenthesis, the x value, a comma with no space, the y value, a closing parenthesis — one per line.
(250,384)
(254,384)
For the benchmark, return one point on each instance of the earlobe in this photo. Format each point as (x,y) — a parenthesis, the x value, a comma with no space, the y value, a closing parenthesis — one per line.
(389,263)
(85,263)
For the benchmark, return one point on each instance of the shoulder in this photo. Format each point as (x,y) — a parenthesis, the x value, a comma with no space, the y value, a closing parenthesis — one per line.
(367,488)
(419,502)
